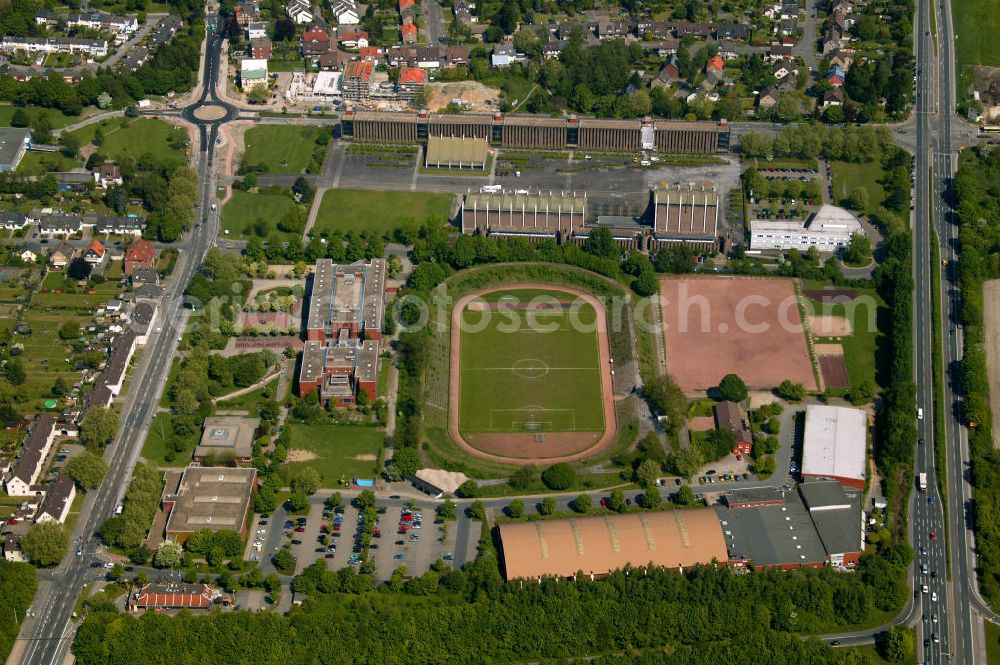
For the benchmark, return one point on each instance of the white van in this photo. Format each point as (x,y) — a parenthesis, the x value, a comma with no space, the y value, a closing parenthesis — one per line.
(920,413)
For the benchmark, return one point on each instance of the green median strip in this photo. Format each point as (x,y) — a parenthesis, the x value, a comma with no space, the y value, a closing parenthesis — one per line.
(940,436)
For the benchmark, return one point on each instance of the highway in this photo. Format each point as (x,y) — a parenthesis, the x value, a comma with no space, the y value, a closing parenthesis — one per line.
(49,632)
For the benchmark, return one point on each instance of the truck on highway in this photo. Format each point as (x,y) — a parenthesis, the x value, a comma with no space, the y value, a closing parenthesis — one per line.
(922,482)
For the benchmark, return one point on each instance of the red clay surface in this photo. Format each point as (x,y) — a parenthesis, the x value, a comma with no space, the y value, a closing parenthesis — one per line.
(522,449)
(748,326)
(834,371)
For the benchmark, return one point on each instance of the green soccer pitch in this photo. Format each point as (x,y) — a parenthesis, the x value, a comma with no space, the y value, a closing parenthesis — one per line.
(519,377)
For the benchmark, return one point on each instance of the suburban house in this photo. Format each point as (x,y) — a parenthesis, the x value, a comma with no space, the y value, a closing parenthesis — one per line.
(59,495)
(353,38)
(62,255)
(257,30)
(253,73)
(107,173)
(669,74)
(95,253)
(346,12)
(835,76)
(28,467)
(299,11)
(729,416)
(28,256)
(409,32)
(833,97)
(141,254)
(768,97)
(260,49)
(246,13)
(315,42)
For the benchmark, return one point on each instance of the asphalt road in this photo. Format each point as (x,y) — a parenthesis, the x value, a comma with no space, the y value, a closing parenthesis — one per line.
(49,632)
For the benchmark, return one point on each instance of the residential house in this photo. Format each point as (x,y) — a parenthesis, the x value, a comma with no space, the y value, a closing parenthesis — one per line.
(123,225)
(62,255)
(614,29)
(12,548)
(407,8)
(95,253)
(300,12)
(832,41)
(653,30)
(790,9)
(13,221)
(553,48)
(59,495)
(142,321)
(669,74)
(107,173)
(835,76)
(353,38)
(315,42)
(729,416)
(409,33)
(427,57)
(142,276)
(101,22)
(370,53)
(174,596)
(737,32)
(246,13)
(781,69)
(715,64)
(25,471)
(788,26)
(411,81)
(503,54)
(257,30)
(119,357)
(140,255)
(260,49)
(253,73)
(696,30)
(780,52)
(335,59)
(768,97)
(346,12)
(92,48)
(53,223)
(789,83)
(833,97)
(839,58)
(667,46)
(28,256)
(457,55)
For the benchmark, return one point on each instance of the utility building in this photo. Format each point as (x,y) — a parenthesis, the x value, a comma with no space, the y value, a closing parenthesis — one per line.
(536,215)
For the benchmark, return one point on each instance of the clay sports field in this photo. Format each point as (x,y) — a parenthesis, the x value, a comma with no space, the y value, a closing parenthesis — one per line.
(748,326)
(530,377)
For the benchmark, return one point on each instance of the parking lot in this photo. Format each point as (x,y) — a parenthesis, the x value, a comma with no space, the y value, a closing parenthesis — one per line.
(332,535)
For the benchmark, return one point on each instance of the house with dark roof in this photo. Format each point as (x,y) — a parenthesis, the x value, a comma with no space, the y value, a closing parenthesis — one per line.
(12,548)
(99,396)
(768,97)
(738,32)
(729,416)
(28,467)
(62,255)
(116,367)
(59,495)
(833,97)
(143,320)
(107,173)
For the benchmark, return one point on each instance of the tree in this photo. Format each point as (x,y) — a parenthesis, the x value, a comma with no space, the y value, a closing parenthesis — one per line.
(446,510)
(87,469)
(78,268)
(898,645)
(732,388)
(284,30)
(468,490)
(858,199)
(265,500)
(559,476)
(859,250)
(14,371)
(582,503)
(69,330)
(792,392)
(20,118)
(863,393)
(601,243)
(522,478)
(477,510)
(515,508)
(60,387)
(648,473)
(651,498)
(45,543)
(168,555)
(616,501)
(257,94)
(406,461)
(684,496)
(306,481)
(687,461)
(284,561)
(298,502)
(365,500)
(547,506)
(99,426)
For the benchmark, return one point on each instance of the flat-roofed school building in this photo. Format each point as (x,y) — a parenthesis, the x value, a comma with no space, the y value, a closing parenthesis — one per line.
(214,498)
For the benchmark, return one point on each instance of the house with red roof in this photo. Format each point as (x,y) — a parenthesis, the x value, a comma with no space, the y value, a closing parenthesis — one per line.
(715,64)
(95,253)
(173,596)
(141,254)
(353,39)
(409,33)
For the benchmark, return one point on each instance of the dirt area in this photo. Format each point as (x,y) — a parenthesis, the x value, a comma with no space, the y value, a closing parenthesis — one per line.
(991,315)
(834,371)
(749,326)
(828,350)
(759,398)
(831,295)
(299,455)
(987,81)
(701,424)
(474,95)
(829,326)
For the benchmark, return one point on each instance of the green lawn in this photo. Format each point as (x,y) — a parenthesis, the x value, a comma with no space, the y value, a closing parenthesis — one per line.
(283,148)
(56,117)
(246,209)
(861,347)
(847,176)
(992,643)
(137,137)
(544,372)
(39,163)
(342,451)
(976,24)
(159,448)
(379,211)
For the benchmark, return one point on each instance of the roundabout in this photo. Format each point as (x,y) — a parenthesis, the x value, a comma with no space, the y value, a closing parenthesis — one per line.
(210,112)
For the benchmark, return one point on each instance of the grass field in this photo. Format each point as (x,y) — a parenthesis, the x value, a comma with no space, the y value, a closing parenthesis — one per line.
(380,211)
(159,448)
(861,347)
(136,138)
(976,23)
(992,643)
(847,176)
(283,148)
(341,451)
(538,375)
(56,117)
(245,208)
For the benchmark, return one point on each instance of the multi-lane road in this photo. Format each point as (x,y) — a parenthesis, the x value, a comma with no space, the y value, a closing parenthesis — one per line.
(48,633)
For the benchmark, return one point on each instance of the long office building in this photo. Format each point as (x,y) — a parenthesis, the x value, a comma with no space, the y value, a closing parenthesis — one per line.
(539,215)
(539,132)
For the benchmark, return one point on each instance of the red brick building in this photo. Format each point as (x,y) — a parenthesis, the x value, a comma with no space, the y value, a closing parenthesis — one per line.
(141,254)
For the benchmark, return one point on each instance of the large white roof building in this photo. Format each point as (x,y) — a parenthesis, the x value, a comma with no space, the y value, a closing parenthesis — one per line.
(828,230)
(835,444)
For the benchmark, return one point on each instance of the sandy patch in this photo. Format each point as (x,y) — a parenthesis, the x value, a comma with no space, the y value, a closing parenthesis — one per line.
(299,455)
(701,423)
(829,350)
(825,325)
(365,458)
(472,94)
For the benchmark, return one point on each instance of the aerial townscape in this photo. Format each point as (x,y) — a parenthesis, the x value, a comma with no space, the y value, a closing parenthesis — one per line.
(500,331)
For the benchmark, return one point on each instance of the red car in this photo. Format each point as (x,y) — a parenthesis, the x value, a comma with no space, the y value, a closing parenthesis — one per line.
(12,521)
(330,555)
(300,529)
(377,533)
(933,536)
(604,503)
(407,517)
(403,528)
